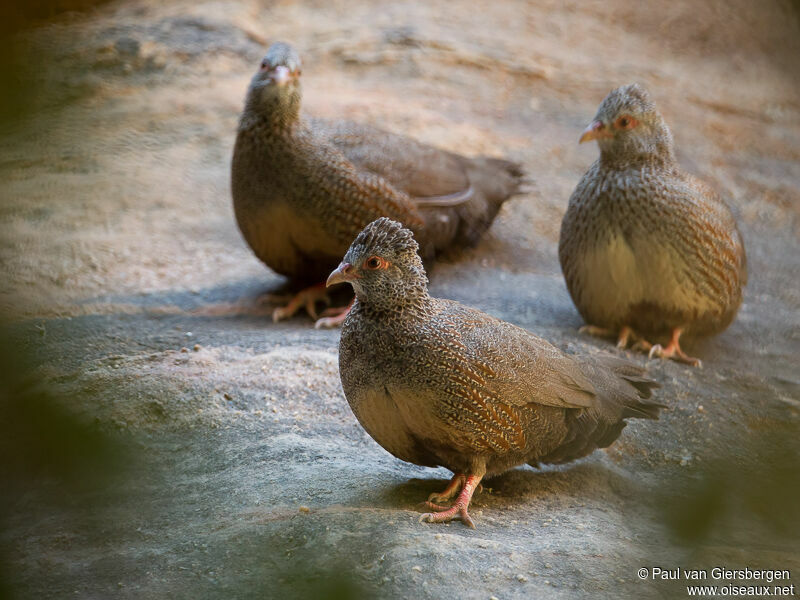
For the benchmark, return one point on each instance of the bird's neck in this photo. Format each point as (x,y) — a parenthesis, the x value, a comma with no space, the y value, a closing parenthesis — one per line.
(279,116)
(652,147)
(409,303)
(659,155)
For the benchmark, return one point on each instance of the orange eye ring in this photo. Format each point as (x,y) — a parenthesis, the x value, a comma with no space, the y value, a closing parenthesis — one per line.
(375,263)
(625,122)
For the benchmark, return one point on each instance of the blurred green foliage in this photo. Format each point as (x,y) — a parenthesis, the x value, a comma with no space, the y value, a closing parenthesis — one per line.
(41,440)
(17,16)
(755,489)
(55,461)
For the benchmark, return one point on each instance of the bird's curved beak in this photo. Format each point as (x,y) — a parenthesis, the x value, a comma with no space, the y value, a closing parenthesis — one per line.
(595,131)
(341,274)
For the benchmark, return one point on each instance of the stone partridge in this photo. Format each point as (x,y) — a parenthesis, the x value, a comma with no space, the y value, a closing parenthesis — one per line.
(646,249)
(437,383)
(302,189)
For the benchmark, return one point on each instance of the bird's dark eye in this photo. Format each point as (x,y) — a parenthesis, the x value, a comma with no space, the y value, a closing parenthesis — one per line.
(264,65)
(375,262)
(626,122)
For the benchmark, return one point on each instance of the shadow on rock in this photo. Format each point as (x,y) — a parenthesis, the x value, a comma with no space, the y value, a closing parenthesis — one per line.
(585,480)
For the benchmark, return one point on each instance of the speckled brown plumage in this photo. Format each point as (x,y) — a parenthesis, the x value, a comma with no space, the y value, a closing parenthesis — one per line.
(303,189)
(645,248)
(437,383)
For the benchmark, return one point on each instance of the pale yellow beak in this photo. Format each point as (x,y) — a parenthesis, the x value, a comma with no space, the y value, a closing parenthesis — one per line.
(595,131)
(341,274)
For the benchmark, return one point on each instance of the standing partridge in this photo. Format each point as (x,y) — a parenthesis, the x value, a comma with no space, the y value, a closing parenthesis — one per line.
(439,384)
(302,189)
(646,249)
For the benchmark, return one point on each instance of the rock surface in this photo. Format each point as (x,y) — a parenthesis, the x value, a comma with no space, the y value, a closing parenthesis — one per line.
(127,280)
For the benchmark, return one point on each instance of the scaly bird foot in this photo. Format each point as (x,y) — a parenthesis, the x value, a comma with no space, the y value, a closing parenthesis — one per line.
(468,485)
(596,331)
(450,492)
(307,298)
(333,317)
(642,345)
(624,336)
(454,512)
(673,351)
(627,335)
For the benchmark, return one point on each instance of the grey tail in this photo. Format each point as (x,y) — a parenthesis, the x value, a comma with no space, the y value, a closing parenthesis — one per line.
(494,180)
(623,391)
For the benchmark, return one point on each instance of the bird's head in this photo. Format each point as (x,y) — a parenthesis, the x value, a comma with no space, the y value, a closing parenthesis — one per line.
(275,88)
(383,266)
(629,128)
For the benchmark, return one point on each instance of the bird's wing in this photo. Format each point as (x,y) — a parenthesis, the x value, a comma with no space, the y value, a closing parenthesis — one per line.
(487,377)
(715,210)
(506,364)
(353,197)
(430,176)
(703,231)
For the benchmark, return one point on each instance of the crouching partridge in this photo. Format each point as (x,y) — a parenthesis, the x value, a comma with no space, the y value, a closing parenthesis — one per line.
(303,188)
(646,249)
(437,383)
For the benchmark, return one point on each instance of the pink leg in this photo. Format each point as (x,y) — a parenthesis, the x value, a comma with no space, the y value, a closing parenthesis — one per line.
(598,331)
(459,509)
(624,336)
(455,485)
(333,317)
(673,350)
(304,298)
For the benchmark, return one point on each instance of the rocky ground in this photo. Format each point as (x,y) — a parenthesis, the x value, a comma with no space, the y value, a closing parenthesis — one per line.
(244,474)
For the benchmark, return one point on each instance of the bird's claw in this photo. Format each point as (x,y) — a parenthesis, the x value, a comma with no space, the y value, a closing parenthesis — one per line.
(596,331)
(454,512)
(329,322)
(625,334)
(467,484)
(307,299)
(281,313)
(676,354)
(450,492)
(333,317)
